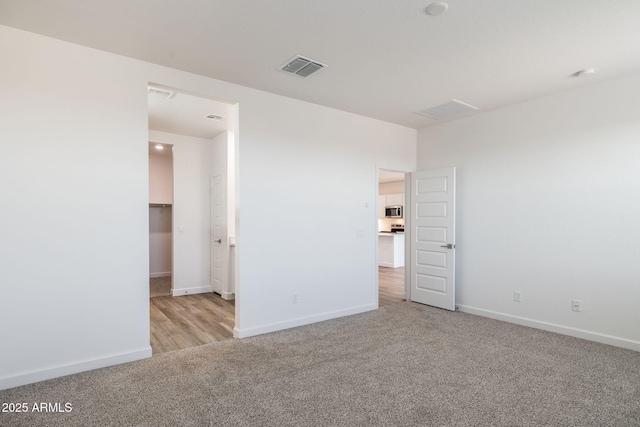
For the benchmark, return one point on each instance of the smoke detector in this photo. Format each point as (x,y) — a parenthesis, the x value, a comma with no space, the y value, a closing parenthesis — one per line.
(588,72)
(301,66)
(444,111)
(438,8)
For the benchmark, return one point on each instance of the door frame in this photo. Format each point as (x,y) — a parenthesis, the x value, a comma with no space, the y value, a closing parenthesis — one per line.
(233,128)
(408,225)
(407,231)
(224,239)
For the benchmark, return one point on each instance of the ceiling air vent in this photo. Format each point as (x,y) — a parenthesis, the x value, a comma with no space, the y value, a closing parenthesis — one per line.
(301,66)
(447,110)
(160,93)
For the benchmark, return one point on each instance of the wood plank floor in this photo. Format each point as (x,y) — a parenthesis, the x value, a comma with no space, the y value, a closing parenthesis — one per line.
(193,320)
(189,321)
(390,285)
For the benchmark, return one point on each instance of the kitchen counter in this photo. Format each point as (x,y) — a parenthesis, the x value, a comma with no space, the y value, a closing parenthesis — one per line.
(391,250)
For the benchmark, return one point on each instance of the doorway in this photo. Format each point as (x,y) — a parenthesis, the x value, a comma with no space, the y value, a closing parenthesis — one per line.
(392,240)
(199,131)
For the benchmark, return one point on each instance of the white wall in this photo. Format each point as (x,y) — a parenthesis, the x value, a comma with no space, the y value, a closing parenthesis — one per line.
(297,162)
(160,223)
(548,205)
(74,242)
(160,218)
(191,220)
(74,232)
(161,177)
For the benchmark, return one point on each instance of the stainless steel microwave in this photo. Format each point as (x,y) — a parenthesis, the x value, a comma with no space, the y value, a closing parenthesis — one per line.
(393,211)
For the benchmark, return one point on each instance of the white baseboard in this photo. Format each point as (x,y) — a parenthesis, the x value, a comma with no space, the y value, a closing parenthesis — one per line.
(228,295)
(390,265)
(552,327)
(35,376)
(160,274)
(190,291)
(301,321)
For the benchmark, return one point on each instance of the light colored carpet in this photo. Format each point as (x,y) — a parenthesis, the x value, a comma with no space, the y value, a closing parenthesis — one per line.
(402,365)
(159,286)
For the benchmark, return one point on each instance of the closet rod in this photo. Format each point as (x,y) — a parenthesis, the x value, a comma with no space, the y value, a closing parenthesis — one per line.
(159,205)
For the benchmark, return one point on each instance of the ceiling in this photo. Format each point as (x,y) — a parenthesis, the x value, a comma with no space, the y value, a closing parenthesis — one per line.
(184,114)
(385,176)
(386,59)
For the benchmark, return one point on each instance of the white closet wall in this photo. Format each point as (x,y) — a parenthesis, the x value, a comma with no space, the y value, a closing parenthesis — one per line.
(160,241)
(161,177)
(160,217)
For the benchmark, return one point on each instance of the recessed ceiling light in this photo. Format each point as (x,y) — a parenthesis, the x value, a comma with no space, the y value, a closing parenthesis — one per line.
(438,8)
(159,147)
(587,72)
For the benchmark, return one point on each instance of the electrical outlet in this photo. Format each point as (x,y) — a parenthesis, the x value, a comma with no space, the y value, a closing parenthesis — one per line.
(517,296)
(575,305)
(296,298)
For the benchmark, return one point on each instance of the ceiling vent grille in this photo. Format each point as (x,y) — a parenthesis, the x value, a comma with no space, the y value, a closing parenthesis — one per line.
(160,93)
(301,66)
(447,110)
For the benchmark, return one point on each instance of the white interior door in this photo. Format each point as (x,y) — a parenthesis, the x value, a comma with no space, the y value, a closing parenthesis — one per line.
(433,218)
(219,244)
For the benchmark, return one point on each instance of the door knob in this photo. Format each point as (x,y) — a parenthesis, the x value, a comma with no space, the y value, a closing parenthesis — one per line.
(448,246)
(218,240)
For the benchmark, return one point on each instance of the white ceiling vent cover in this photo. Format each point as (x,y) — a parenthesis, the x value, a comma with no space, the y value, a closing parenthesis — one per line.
(449,109)
(160,93)
(301,66)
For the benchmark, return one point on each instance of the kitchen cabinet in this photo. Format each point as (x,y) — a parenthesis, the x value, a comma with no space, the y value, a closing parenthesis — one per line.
(395,199)
(391,250)
(382,202)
